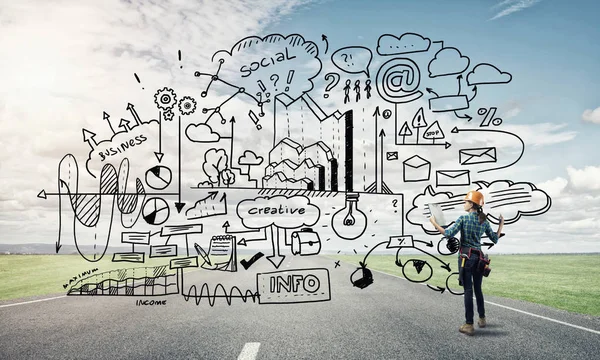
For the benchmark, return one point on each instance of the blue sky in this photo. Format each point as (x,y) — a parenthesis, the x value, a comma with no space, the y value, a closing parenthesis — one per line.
(550,48)
(65,63)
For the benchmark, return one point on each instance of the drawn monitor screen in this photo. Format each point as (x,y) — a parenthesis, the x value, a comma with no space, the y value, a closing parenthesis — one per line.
(436,210)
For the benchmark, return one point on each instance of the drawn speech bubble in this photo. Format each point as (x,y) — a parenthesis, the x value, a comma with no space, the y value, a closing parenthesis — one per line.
(353,59)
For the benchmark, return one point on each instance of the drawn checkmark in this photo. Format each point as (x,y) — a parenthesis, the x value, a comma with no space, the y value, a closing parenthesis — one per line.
(253,259)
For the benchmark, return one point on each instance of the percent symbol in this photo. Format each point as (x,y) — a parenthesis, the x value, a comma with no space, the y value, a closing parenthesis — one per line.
(489,115)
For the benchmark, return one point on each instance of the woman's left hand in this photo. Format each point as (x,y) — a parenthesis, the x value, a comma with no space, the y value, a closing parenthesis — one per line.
(432,219)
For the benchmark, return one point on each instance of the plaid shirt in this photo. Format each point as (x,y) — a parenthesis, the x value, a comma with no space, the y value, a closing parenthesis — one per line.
(471,230)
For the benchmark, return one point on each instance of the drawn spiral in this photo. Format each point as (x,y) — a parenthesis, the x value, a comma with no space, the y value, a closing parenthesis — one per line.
(398,81)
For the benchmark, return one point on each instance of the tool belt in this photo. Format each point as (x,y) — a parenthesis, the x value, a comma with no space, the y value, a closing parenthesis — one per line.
(483,265)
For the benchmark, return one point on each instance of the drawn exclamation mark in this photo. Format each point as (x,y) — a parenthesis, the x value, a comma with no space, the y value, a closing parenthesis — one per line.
(289,79)
(179,53)
(138,79)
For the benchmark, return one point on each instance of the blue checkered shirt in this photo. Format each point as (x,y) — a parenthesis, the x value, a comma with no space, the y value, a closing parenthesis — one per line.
(471,230)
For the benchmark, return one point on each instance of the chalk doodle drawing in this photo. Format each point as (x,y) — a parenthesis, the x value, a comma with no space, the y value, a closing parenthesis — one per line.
(290,162)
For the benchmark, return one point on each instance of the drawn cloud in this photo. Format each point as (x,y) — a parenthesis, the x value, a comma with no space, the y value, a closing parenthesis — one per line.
(281,211)
(512,200)
(201,133)
(137,142)
(448,61)
(487,74)
(388,44)
(271,65)
(250,158)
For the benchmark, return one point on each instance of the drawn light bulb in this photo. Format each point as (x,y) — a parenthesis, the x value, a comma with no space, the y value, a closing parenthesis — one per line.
(350,222)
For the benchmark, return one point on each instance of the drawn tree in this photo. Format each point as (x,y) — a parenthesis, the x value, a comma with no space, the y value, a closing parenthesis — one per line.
(215,162)
(228,177)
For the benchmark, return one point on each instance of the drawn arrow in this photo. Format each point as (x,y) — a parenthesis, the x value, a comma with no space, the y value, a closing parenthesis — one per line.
(88,137)
(376,114)
(58,246)
(125,124)
(227,231)
(324,38)
(469,118)
(445,145)
(159,155)
(232,122)
(43,194)
(474,93)
(106,117)
(134,113)
(456,130)
(245,239)
(430,90)
(276,259)
(440,289)
(364,262)
(445,266)
(489,245)
(381,136)
(430,243)
(179,205)
(458,78)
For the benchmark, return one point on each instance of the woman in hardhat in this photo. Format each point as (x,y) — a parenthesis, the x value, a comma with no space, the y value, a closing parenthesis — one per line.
(472,226)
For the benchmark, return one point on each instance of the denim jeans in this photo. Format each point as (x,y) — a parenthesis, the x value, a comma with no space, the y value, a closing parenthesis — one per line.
(472,278)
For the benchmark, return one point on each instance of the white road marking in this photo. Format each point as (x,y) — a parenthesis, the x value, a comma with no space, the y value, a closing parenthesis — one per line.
(32,301)
(546,318)
(249,351)
(508,307)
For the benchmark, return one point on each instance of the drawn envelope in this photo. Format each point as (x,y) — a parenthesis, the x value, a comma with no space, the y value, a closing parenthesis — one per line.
(392,155)
(452,178)
(477,155)
(416,169)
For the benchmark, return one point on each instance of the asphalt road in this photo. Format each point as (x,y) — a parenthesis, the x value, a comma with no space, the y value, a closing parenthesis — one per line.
(390,319)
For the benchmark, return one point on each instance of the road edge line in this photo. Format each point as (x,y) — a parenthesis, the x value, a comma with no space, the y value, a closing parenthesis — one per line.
(32,301)
(503,306)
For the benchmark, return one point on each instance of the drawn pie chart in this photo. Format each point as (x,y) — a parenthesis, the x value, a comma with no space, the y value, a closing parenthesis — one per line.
(156,211)
(159,177)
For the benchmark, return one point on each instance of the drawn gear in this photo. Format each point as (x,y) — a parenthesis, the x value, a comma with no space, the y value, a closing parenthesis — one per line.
(165,99)
(475,197)
(168,115)
(187,105)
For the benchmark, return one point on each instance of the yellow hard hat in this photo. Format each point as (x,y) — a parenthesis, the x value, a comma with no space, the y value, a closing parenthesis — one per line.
(475,197)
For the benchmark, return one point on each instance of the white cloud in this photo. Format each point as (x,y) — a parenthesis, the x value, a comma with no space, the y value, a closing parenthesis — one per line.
(592,116)
(512,6)
(584,179)
(553,187)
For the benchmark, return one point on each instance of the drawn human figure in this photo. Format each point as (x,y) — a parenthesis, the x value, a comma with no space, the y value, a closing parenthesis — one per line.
(357,89)
(347,92)
(368,88)
(471,267)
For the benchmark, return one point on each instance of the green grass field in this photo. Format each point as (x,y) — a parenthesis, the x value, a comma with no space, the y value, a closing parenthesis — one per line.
(32,275)
(568,282)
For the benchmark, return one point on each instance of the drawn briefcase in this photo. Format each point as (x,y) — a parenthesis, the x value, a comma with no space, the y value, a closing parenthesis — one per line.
(305,242)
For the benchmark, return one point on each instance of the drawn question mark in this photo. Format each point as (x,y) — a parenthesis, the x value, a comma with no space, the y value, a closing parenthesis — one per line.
(345,56)
(274,78)
(333,79)
(395,202)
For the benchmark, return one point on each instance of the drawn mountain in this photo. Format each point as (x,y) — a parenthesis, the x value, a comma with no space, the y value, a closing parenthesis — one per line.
(306,169)
(314,164)
(280,181)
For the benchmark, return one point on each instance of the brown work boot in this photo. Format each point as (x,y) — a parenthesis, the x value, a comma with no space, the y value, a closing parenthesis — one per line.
(467,329)
(481,322)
